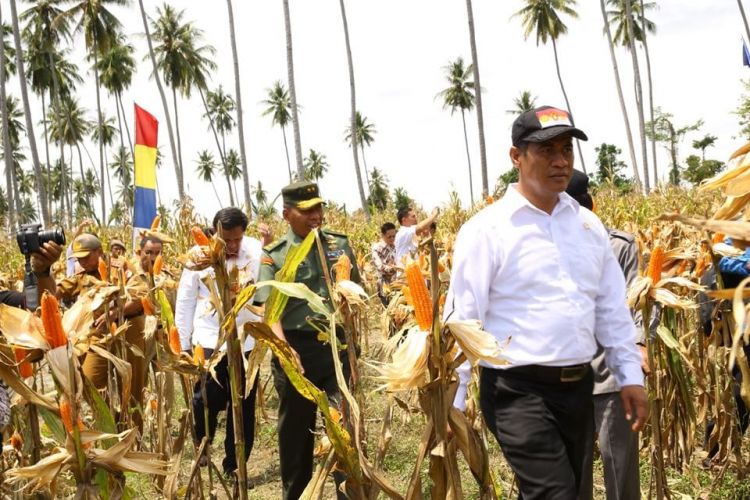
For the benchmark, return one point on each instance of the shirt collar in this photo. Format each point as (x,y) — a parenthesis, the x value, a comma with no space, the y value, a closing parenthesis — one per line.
(515,201)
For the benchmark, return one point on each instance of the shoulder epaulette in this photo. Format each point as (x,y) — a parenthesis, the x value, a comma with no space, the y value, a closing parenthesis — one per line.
(335,233)
(274,245)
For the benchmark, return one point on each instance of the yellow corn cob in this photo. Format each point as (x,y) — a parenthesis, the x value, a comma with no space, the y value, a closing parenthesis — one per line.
(174,340)
(343,268)
(199,355)
(655,264)
(683,266)
(52,321)
(717,238)
(24,367)
(156,223)
(103,271)
(700,267)
(158,264)
(148,307)
(199,236)
(420,296)
(66,413)
(16,441)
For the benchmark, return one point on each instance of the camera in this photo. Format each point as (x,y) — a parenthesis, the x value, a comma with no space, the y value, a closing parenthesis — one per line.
(30,237)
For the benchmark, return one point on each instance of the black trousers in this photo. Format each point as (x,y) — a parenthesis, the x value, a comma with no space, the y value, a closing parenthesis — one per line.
(297,415)
(542,426)
(219,398)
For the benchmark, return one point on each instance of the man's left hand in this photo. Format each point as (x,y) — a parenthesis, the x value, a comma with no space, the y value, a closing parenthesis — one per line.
(265,233)
(48,254)
(635,403)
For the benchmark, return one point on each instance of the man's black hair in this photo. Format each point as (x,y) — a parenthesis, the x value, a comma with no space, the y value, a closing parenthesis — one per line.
(152,239)
(230,218)
(402,213)
(387,227)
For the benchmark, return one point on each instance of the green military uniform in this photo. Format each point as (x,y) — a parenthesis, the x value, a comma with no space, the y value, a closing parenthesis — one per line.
(296,414)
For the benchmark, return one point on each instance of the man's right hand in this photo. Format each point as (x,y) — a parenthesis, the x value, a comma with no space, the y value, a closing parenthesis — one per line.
(48,254)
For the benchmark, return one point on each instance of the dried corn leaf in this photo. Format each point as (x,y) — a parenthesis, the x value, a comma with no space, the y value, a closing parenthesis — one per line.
(723,178)
(22,328)
(477,344)
(10,376)
(42,474)
(120,457)
(78,319)
(59,359)
(740,151)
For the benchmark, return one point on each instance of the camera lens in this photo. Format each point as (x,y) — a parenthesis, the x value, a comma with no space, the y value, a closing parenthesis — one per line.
(57,235)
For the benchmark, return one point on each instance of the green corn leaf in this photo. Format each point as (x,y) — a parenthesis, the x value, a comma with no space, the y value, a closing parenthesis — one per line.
(276,300)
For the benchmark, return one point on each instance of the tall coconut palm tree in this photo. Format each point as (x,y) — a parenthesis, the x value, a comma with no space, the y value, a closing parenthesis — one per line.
(68,124)
(105,133)
(478,98)
(122,166)
(5,71)
(205,168)
(165,106)
(542,17)
(219,108)
(459,95)
(618,84)
(183,62)
(316,165)
(45,31)
(100,28)
(353,108)
(116,69)
(232,171)
(39,178)
(523,103)
(628,30)
(279,108)
(651,109)
(12,128)
(240,123)
(365,132)
(293,90)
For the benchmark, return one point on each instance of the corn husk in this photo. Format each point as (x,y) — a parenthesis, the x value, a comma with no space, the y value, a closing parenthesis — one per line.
(476,344)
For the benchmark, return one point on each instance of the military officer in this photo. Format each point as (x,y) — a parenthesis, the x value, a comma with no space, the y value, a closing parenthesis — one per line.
(303,211)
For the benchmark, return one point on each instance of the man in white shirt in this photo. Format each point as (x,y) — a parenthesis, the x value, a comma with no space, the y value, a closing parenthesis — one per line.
(406,237)
(536,268)
(198,323)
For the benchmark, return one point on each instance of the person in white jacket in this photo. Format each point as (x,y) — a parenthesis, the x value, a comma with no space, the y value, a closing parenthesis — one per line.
(197,322)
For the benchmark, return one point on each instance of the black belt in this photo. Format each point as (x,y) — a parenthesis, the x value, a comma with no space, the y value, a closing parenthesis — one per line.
(572,373)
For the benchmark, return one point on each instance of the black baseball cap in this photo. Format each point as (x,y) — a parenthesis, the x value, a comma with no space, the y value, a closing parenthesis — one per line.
(542,124)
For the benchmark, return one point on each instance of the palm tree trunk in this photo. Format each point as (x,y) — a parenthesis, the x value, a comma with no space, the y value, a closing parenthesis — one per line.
(46,148)
(353,102)
(744,19)
(40,187)
(478,99)
(127,128)
(468,158)
(14,175)
(623,108)
(286,148)
(238,100)
(177,128)
(650,92)
(229,188)
(293,91)
(213,185)
(177,165)
(100,138)
(55,101)
(567,103)
(364,164)
(6,137)
(638,95)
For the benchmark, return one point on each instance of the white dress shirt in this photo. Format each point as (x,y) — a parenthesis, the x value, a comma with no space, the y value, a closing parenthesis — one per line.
(549,282)
(195,316)
(405,242)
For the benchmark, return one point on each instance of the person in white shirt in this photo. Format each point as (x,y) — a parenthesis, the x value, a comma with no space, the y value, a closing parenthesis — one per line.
(198,323)
(406,237)
(537,269)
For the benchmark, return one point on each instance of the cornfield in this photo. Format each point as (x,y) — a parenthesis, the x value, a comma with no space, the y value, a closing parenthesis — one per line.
(395,434)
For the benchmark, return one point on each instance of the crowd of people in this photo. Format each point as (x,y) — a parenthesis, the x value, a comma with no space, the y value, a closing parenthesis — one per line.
(536,266)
